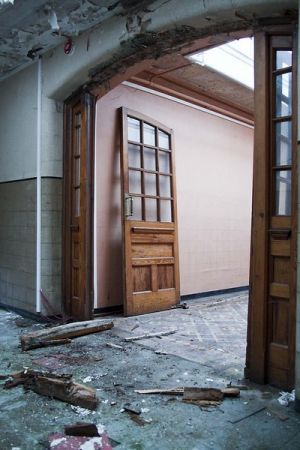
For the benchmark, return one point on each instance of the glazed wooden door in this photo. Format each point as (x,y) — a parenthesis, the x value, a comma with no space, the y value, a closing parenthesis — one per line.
(151,273)
(271,351)
(78,196)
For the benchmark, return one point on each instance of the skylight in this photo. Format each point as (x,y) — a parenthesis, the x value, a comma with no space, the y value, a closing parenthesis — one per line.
(235,60)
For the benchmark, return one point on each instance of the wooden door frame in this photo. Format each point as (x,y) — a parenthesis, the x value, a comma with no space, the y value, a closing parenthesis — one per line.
(257,333)
(87,102)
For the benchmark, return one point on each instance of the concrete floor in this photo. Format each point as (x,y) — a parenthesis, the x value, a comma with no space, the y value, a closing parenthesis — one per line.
(206,350)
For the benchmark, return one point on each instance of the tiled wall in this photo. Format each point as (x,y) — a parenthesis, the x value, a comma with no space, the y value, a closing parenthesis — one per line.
(18,244)
(51,251)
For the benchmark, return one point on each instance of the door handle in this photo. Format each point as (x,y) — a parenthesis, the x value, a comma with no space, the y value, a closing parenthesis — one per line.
(74,227)
(128,205)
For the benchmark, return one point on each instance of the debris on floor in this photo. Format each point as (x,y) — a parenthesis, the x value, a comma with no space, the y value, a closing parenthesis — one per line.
(253,413)
(60,387)
(175,391)
(180,306)
(150,335)
(277,413)
(286,398)
(60,441)
(116,346)
(84,429)
(63,333)
(196,395)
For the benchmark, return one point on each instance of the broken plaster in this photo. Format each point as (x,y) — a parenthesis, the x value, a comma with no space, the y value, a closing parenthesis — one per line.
(152,45)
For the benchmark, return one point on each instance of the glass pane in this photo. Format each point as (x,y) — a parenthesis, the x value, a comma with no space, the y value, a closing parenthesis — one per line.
(149,158)
(77,202)
(165,186)
(283,59)
(163,140)
(149,134)
(164,162)
(77,141)
(137,209)
(77,172)
(284,95)
(165,211)
(78,119)
(134,130)
(134,156)
(151,209)
(283,143)
(150,184)
(135,182)
(283,193)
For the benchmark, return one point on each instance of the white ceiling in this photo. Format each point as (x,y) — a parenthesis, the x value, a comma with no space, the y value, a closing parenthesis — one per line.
(25,30)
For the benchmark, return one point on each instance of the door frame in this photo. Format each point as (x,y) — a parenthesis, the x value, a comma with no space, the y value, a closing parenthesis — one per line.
(87,104)
(258,318)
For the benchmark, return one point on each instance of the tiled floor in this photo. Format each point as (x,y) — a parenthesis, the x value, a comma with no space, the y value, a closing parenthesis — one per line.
(211,331)
(209,349)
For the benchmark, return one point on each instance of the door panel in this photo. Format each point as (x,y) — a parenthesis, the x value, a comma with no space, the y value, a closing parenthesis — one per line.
(271,334)
(151,273)
(78,190)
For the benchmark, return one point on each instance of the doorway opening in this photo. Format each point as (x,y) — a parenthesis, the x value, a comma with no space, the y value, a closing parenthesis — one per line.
(213,159)
(272,313)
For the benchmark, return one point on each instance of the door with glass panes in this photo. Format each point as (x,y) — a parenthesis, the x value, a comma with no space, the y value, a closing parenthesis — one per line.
(150,249)
(271,334)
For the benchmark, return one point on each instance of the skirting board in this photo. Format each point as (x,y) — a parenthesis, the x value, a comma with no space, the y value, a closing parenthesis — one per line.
(183,298)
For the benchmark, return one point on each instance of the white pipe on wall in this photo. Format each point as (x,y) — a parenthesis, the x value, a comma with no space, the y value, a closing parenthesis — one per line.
(38,186)
(95,225)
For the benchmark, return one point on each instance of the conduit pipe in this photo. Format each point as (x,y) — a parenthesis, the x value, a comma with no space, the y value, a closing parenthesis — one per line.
(38,185)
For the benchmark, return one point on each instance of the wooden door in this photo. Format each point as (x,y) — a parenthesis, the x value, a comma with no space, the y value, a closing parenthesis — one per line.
(78,206)
(272,318)
(151,271)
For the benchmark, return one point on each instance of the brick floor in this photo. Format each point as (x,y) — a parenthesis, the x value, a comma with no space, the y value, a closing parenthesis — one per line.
(211,332)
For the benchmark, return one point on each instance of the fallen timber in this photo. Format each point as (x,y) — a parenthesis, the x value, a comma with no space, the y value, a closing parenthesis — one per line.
(63,333)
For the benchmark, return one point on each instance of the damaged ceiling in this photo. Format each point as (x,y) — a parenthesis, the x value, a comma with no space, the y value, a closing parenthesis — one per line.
(32,27)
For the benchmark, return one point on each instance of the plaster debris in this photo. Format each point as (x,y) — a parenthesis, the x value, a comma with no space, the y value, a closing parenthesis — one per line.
(53,21)
(286,398)
(90,444)
(81,411)
(145,410)
(87,379)
(58,441)
(2,2)
(100,428)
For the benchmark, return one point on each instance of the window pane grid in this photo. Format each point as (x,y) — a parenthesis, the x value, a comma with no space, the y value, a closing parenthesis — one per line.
(154,172)
(282,131)
(149,156)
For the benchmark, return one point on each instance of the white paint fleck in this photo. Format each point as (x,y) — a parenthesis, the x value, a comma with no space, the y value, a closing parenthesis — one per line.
(87,379)
(100,428)
(90,444)
(82,411)
(145,410)
(53,21)
(58,441)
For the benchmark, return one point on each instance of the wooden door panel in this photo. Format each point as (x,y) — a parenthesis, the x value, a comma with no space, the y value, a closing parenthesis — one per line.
(151,275)
(78,186)
(271,338)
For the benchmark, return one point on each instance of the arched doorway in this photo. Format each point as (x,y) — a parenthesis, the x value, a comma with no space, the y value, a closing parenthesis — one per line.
(271,331)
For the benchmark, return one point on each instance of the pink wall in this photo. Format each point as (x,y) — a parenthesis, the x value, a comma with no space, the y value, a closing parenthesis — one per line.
(214,186)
